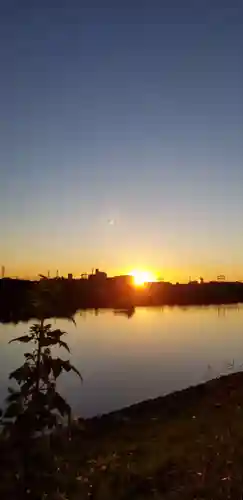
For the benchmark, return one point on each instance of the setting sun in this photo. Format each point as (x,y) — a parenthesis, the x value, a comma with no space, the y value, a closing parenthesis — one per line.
(140,277)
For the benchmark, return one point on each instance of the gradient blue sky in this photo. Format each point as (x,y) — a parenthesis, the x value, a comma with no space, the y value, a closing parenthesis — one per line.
(128,113)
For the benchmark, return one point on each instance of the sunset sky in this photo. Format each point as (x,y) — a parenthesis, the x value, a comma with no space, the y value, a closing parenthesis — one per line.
(121,137)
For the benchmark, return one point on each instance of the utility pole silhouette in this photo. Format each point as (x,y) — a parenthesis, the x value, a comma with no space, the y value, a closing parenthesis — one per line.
(3,272)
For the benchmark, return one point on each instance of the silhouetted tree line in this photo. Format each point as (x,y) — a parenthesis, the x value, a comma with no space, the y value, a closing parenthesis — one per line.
(71,295)
(214,293)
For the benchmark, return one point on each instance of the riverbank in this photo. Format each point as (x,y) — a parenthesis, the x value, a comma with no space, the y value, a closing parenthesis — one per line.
(187,445)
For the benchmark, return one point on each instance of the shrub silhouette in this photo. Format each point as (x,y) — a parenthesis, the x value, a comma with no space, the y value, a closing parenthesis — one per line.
(35,407)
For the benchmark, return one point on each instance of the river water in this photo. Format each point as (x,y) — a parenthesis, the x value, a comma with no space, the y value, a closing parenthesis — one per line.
(125,360)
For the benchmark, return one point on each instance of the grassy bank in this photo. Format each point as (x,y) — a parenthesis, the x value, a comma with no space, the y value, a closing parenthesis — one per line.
(188,445)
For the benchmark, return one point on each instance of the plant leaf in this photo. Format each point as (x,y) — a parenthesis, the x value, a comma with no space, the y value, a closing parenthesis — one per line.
(22,373)
(56,333)
(47,327)
(68,367)
(35,328)
(29,355)
(64,344)
(12,410)
(49,341)
(75,370)
(24,338)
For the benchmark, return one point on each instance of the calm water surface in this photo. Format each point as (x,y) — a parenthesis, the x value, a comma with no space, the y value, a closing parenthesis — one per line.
(124,361)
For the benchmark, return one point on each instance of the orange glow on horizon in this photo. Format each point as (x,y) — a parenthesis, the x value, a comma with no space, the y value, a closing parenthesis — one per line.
(141,277)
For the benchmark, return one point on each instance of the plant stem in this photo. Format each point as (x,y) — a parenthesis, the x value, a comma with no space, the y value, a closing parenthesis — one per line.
(40,340)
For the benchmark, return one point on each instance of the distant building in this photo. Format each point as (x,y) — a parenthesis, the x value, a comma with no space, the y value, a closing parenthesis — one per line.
(221,277)
(84,276)
(98,276)
(122,279)
(70,276)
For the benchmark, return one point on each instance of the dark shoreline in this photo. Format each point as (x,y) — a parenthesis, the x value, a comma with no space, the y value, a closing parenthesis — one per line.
(174,403)
(68,296)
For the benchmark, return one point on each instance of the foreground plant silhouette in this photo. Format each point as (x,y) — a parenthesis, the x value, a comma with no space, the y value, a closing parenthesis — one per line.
(36,406)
